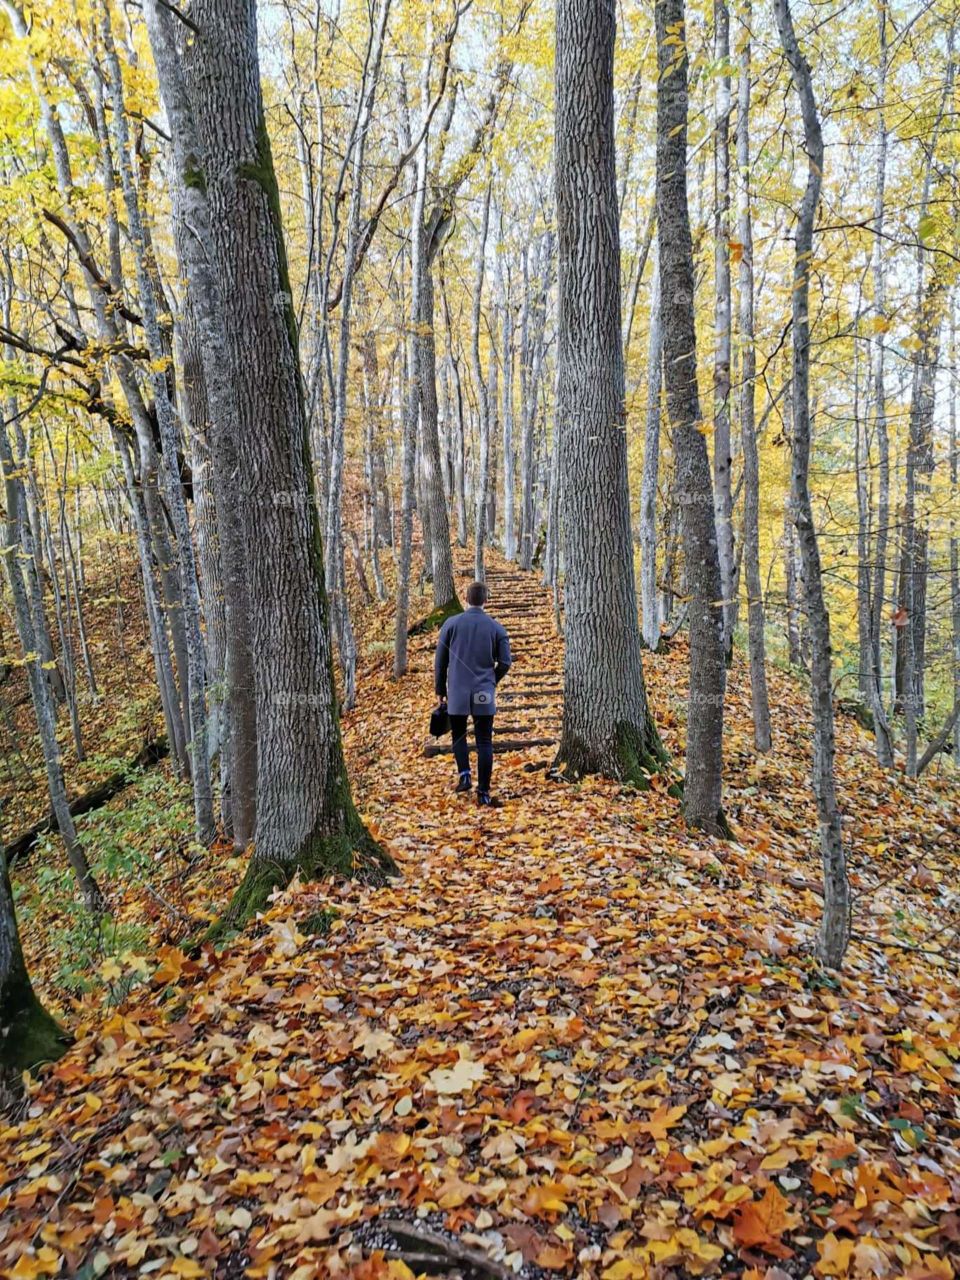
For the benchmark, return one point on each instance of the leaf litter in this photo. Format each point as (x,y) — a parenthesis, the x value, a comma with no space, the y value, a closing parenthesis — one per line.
(573,1039)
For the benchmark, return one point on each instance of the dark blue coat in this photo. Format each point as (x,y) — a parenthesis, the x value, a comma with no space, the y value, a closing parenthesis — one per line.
(473,653)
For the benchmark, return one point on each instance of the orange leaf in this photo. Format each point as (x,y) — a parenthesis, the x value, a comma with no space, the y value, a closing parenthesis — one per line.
(761,1223)
(554,1257)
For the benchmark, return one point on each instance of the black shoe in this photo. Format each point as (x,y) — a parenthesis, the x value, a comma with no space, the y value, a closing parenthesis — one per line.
(483,799)
(465,783)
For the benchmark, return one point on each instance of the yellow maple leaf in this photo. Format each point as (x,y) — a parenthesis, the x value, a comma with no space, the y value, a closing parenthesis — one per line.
(835,1255)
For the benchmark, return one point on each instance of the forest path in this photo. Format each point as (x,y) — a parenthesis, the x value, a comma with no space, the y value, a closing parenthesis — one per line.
(530,698)
(571,1034)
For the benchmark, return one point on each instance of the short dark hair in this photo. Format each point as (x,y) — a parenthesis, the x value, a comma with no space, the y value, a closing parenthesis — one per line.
(477,593)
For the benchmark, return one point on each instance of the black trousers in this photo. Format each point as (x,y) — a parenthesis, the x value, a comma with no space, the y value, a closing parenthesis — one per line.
(483,728)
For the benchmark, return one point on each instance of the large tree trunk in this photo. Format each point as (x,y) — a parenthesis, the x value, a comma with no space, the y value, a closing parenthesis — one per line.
(748,432)
(607,727)
(306,820)
(191,214)
(835,926)
(704,763)
(28,1034)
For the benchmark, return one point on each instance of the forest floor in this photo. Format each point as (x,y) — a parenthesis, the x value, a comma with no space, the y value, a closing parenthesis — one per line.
(116,723)
(572,1039)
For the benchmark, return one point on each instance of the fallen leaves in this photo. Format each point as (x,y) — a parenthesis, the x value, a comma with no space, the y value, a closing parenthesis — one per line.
(761,1223)
(461,1078)
(572,1033)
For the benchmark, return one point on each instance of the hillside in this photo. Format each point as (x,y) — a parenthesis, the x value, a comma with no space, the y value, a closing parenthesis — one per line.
(572,1039)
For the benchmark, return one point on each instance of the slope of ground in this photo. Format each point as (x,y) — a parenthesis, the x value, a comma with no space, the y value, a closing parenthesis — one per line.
(573,1038)
(115,723)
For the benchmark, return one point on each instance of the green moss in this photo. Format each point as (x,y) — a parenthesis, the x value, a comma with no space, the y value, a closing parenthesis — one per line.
(350,852)
(318,923)
(31,1037)
(717,826)
(435,620)
(264,175)
(630,755)
(193,177)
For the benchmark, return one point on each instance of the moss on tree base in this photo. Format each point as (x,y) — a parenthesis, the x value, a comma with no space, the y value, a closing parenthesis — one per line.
(435,620)
(717,825)
(349,854)
(630,755)
(31,1038)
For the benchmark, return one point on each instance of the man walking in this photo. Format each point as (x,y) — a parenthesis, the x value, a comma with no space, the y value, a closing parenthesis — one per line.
(473,656)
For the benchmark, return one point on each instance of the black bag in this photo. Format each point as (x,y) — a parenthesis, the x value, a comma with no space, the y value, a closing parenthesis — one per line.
(439,721)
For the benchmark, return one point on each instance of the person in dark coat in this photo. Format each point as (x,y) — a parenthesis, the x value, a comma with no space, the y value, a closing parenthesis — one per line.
(473,656)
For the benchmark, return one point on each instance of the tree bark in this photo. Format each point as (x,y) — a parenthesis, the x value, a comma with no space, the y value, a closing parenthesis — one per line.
(28,1034)
(704,760)
(607,726)
(306,820)
(18,551)
(835,925)
(205,826)
(191,214)
(649,600)
(483,398)
(722,445)
(509,458)
(335,575)
(748,434)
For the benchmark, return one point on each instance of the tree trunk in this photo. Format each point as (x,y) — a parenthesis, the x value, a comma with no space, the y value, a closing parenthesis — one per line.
(306,820)
(835,925)
(722,446)
(919,468)
(483,399)
(884,745)
(748,434)
(444,589)
(607,726)
(205,826)
(335,573)
(28,1034)
(704,763)
(191,214)
(18,552)
(509,460)
(649,602)
(407,497)
(954,442)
